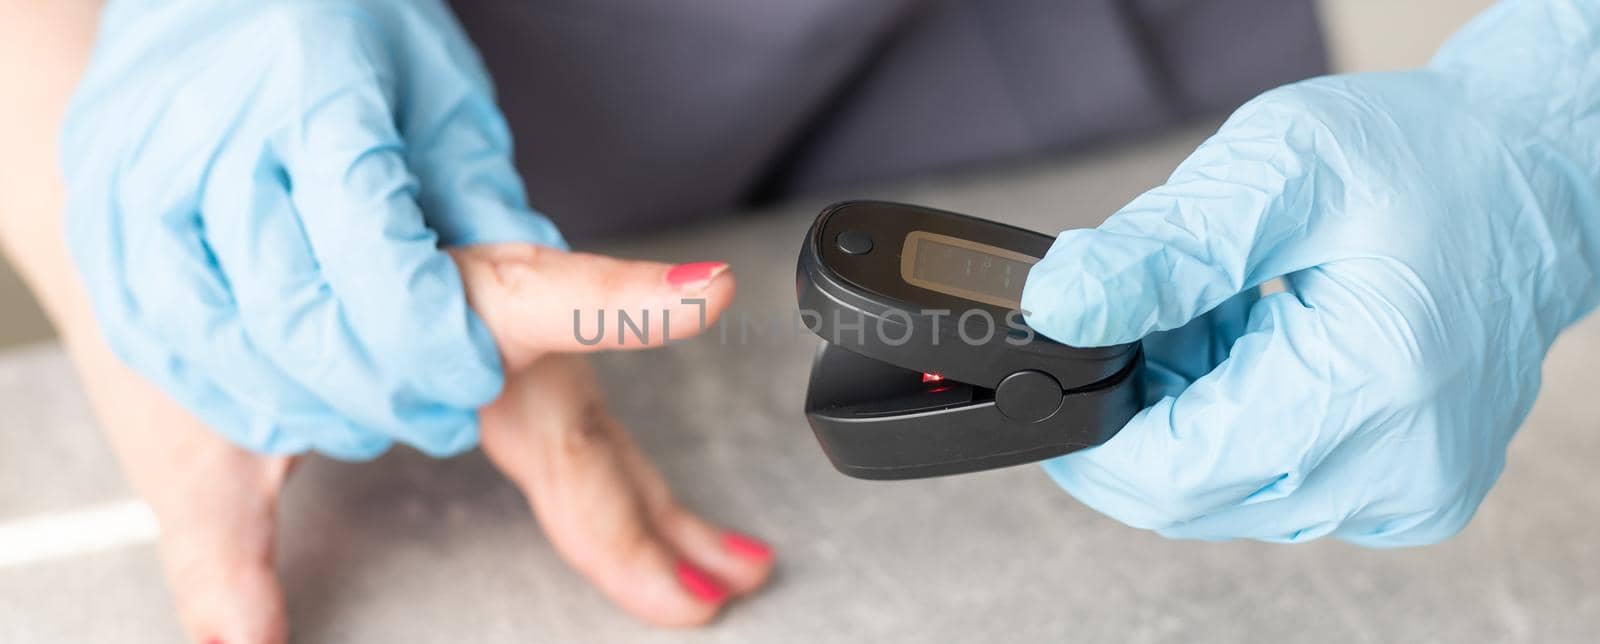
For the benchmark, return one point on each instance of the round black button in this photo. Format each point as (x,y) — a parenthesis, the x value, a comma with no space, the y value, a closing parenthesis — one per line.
(855,242)
(1028,396)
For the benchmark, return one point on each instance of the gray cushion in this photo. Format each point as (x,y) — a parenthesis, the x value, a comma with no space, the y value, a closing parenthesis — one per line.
(632,115)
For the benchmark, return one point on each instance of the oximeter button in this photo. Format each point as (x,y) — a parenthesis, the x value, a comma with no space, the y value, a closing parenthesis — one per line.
(1028,396)
(855,242)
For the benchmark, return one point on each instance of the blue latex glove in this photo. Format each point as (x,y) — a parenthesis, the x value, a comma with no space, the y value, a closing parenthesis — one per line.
(1436,228)
(258,193)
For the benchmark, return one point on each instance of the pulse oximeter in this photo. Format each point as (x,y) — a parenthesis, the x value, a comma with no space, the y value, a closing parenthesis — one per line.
(927,367)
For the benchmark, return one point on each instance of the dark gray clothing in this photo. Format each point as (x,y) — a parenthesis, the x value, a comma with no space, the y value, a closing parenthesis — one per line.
(635,114)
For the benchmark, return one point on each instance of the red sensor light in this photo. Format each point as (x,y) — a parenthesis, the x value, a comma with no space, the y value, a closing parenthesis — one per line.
(932,377)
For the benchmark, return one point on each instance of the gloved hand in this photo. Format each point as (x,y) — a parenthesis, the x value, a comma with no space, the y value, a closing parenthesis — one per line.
(1436,230)
(259,190)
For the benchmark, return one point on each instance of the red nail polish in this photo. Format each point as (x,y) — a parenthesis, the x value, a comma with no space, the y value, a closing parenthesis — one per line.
(746,546)
(700,584)
(694,277)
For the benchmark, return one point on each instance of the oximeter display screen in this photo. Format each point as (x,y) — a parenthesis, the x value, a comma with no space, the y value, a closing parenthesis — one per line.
(965,269)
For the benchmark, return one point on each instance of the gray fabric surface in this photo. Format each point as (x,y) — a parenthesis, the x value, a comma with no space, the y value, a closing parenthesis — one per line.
(632,115)
(969,81)
(412,550)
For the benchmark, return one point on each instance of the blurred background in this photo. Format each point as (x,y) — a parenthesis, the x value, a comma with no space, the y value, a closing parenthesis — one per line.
(409,549)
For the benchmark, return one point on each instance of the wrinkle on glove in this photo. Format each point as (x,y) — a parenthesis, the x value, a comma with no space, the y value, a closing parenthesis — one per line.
(258,195)
(1436,230)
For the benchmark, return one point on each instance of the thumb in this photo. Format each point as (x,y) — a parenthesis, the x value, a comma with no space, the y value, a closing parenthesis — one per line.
(536,300)
(1222,223)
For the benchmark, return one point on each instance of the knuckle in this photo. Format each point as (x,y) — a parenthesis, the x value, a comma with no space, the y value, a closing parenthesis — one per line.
(514,270)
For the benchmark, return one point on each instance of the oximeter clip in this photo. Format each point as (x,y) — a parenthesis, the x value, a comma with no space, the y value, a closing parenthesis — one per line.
(927,367)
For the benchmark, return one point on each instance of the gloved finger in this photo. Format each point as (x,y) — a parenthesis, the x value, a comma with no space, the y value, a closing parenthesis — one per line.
(471,192)
(539,300)
(1395,505)
(402,309)
(179,304)
(1319,506)
(301,323)
(1175,359)
(1226,220)
(1411,529)
(1301,516)
(458,143)
(1249,431)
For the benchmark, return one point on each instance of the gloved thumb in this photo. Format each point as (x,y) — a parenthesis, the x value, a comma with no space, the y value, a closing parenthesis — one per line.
(1225,221)
(536,300)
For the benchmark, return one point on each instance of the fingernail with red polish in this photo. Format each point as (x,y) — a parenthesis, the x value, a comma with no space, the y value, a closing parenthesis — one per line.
(695,277)
(746,546)
(700,584)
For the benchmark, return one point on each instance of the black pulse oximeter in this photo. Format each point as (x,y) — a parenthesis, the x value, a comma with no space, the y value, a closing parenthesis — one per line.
(927,367)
